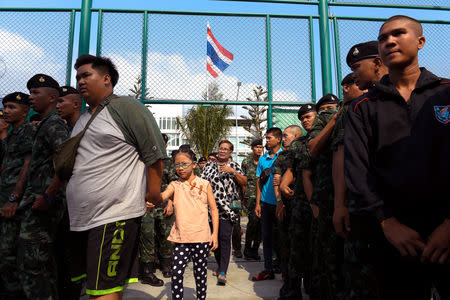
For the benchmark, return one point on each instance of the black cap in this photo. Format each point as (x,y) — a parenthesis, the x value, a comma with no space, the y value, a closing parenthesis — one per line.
(1,113)
(362,51)
(42,80)
(17,97)
(349,79)
(67,90)
(305,108)
(327,99)
(256,142)
(202,159)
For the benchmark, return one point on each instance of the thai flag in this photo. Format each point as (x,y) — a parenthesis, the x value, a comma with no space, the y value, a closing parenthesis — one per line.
(217,57)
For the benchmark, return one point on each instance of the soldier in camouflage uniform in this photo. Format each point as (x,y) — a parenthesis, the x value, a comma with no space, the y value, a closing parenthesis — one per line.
(4,126)
(18,146)
(155,228)
(42,205)
(328,247)
(284,206)
(301,216)
(253,231)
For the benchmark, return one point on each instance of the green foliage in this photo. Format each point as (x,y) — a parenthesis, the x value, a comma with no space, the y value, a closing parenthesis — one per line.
(257,116)
(137,90)
(205,126)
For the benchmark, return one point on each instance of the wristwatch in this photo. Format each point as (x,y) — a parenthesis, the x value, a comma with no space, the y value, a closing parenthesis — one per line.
(279,200)
(13,198)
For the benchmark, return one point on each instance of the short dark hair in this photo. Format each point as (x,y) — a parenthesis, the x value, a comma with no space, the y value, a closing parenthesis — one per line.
(165,138)
(102,64)
(348,80)
(275,131)
(417,25)
(186,149)
(227,142)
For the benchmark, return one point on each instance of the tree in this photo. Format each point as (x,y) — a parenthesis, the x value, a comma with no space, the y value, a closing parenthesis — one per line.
(137,90)
(258,116)
(205,125)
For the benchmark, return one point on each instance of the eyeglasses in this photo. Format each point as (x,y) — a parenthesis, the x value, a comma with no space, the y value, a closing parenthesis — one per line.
(182,165)
(224,149)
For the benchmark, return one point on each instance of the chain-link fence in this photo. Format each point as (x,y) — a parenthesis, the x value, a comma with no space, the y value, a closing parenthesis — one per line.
(432,57)
(33,42)
(161,56)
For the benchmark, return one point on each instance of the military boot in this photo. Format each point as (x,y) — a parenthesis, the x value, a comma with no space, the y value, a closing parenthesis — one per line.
(147,275)
(166,267)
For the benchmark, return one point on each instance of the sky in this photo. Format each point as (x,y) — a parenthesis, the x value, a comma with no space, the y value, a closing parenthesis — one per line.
(176,55)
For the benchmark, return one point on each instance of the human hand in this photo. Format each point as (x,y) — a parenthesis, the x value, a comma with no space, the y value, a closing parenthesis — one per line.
(276,179)
(315,210)
(280,211)
(151,200)
(258,210)
(406,240)
(9,209)
(213,242)
(341,221)
(168,210)
(226,169)
(40,203)
(286,191)
(150,206)
(437,248)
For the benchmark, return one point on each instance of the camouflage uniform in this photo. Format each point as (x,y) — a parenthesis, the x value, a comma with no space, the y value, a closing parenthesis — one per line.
(36,255)
(328,244)
(300,259)
(18,145)
(358,270)
(281,236)
(253,231)
(155,226)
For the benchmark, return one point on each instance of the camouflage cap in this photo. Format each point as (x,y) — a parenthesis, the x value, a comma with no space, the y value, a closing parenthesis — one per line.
(327,99)
(67,90)
(42,80)
(362,51)
(305,108)
(17,97)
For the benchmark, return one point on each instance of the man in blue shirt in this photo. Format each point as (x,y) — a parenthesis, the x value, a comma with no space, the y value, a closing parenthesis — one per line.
(266,201)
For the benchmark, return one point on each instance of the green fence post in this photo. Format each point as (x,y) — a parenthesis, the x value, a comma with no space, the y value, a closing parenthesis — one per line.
(337,51)
(98,50)
(85,27)
(70,47)
(325,49)
(312,58)
(144,55)
(269,73)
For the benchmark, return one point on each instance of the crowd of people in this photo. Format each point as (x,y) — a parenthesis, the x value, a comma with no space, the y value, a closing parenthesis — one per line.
(351,203)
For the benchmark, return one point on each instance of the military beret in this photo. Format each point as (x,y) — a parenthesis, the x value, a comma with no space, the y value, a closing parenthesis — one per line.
(327,99)
(42,80)
(17,97)
(202,159)
(256,142)
(349,79)
(67,90)
(362,51)
(305,108)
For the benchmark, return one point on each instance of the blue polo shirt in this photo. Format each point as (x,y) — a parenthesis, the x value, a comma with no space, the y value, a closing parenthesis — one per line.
(267,192)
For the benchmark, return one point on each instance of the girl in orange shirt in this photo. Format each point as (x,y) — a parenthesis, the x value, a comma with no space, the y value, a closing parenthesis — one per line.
(191,232)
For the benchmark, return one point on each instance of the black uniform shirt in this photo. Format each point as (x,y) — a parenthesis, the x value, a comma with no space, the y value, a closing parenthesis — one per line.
(377,137)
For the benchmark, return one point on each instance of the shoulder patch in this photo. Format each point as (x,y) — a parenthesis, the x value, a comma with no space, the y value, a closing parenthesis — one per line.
(442,113)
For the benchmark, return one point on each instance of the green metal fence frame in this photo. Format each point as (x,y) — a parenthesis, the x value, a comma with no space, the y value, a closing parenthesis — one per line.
(324,18)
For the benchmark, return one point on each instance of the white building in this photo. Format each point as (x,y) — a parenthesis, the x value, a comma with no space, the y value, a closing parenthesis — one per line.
(166,115)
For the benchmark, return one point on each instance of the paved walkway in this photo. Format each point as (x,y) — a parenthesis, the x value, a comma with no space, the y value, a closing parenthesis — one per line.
(239,285)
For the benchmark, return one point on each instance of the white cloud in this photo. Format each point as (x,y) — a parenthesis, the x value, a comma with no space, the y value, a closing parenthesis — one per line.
(20,59)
